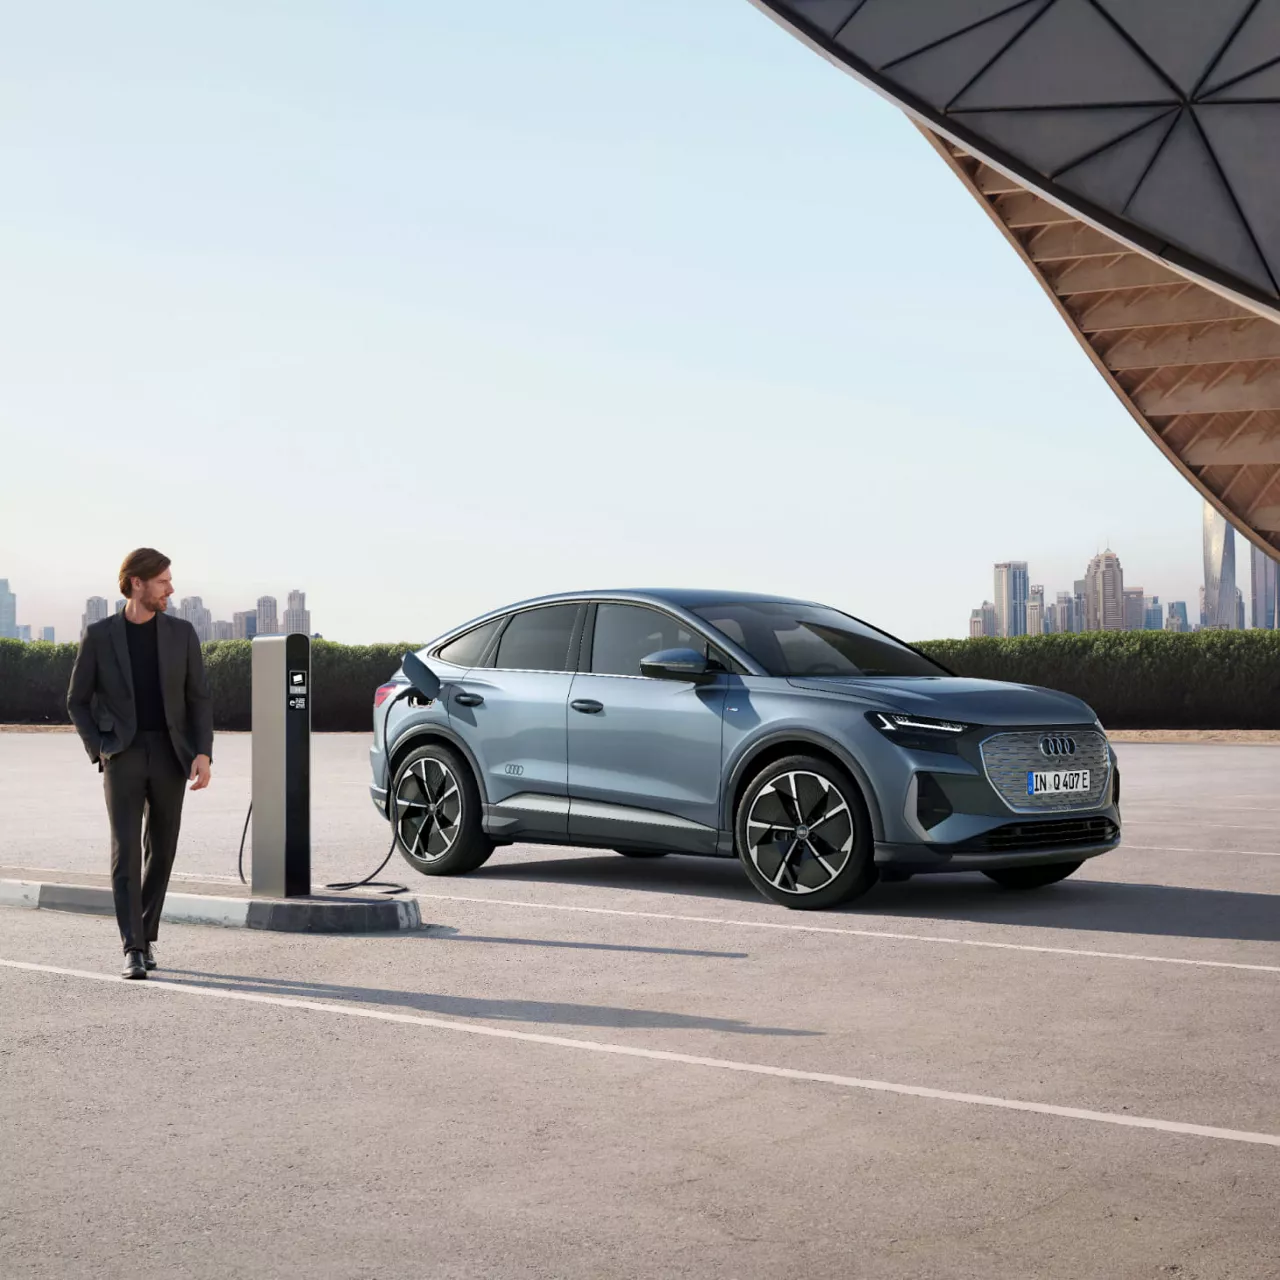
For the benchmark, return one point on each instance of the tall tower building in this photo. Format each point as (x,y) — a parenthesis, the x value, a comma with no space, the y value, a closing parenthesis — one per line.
(244,626)
(95,609)
(1012,585)
(1104,593)
(297,617)
(1135,604)
(975,624)
(1265,575)
(1219,572)
(193,610)
(1036,617)
(48,635)
(224,631)
(1079,615)
(1152,620)
(1177,619)
(268,625)
(1063,613)
(8,612)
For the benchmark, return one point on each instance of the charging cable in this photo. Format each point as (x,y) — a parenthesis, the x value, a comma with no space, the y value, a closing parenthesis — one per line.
(388,887)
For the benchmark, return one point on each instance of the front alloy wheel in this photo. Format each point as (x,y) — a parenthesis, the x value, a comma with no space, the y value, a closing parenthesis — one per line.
(803,835)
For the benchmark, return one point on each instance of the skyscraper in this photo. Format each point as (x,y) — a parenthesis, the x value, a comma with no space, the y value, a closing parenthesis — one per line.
(1265,575)
(975,624)
(8,612)
(297,617)
(1079,613)
(1135,603)
(1177,618)
(48,635)
(1035,610)
(1219,572)
(267,622)
(223,631)
(1239,610)
(1104,593)
(1063,613)
(24,632)
(95,609)
(1151,614)
(1012,583)
(193,610)
(244,625)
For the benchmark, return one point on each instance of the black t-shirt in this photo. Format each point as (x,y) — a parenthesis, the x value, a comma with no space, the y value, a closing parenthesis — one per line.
(144,658)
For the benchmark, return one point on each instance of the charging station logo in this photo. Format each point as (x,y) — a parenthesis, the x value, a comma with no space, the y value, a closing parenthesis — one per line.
(297,682)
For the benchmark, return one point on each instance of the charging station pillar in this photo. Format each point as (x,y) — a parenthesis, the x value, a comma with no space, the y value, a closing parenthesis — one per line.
(281,675)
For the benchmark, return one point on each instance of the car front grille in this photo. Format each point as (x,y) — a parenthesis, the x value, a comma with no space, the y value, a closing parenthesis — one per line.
(1028,837)
(1009,757)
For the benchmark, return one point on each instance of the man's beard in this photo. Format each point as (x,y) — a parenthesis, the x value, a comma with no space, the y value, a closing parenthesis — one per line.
(156,604)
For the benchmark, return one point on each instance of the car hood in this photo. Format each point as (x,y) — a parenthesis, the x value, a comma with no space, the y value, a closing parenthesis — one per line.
(957,698)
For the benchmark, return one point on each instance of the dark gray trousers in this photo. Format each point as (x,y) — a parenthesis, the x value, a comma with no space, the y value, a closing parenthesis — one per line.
(145,782)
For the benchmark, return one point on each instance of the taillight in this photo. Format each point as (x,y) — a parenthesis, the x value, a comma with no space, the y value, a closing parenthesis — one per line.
(384,691)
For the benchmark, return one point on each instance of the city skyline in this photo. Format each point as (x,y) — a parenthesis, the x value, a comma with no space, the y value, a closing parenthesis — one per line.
(1100,601)
(265,617)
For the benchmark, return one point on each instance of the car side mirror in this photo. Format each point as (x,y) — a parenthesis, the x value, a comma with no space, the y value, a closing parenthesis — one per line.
(423,679)
(677,664)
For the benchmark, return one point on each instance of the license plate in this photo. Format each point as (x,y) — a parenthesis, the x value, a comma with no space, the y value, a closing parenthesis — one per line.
(1057,781)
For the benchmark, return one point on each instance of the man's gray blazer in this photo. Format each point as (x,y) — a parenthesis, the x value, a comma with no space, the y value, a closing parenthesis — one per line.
(100,698)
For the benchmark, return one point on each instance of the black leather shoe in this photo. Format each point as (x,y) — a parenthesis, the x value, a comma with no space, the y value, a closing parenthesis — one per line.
(149,957)
(135,966)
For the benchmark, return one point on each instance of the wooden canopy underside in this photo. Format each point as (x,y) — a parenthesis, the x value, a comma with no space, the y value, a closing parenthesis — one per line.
(1199,373)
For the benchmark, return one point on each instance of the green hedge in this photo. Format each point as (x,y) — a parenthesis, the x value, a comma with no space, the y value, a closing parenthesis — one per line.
(34,679)
(1132,679)
(1140,679)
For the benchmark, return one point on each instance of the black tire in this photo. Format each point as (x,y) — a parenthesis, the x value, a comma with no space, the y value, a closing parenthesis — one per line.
(446,840)
(1032,877)
(643,853)
(802,792)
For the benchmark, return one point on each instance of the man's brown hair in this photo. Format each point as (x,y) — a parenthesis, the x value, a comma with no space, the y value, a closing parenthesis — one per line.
(145,563)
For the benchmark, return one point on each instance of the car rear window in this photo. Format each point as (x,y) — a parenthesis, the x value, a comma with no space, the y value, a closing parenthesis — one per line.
(467,649)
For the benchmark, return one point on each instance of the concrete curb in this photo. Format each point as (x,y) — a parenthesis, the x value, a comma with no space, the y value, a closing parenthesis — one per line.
(284,915)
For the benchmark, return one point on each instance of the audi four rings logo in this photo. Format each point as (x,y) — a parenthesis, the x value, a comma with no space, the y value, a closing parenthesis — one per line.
(1057,746)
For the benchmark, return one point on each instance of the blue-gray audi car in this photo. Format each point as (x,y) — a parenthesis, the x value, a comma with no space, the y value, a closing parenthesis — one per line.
(818,750)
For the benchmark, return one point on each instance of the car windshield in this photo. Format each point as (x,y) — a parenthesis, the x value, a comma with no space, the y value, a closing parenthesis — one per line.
(812,640)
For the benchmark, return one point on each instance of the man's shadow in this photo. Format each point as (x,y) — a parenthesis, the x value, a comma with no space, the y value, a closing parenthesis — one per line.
(535,1011)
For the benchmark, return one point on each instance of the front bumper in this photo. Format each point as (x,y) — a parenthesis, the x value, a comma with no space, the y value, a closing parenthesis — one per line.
(1025,843)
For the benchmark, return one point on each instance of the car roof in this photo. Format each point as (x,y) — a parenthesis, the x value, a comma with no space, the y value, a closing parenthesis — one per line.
(681,597)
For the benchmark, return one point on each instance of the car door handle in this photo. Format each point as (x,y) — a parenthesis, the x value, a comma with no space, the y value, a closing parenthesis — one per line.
(587,705)
(468,699)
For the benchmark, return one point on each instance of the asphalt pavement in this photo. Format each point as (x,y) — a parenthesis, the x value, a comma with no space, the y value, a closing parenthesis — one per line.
(594,1066)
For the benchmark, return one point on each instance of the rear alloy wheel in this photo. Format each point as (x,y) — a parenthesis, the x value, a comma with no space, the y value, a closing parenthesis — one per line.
(437,814)
(803,835)
(1032,877)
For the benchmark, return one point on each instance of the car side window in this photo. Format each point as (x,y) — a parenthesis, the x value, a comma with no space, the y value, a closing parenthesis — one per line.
(625,633)
(538,639)
(468,649)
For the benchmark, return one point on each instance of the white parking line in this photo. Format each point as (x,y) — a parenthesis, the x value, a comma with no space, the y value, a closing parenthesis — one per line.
(859,933)
(1173,848)
(663,1055)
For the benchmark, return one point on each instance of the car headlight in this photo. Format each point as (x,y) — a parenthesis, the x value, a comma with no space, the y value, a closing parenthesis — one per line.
(919,733)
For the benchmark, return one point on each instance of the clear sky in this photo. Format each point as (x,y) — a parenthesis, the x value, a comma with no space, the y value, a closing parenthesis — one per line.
(427,307)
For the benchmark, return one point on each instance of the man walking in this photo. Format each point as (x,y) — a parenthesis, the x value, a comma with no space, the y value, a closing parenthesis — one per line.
(141,705)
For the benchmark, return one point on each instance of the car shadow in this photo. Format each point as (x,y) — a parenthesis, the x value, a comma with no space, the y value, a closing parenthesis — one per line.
(536,1011)
(1091,906)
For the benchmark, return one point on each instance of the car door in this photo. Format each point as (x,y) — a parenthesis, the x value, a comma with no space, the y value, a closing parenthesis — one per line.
(512,713)
(644,754)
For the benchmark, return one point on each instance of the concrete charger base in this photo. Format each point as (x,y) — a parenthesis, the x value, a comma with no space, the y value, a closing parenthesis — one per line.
(316,913)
